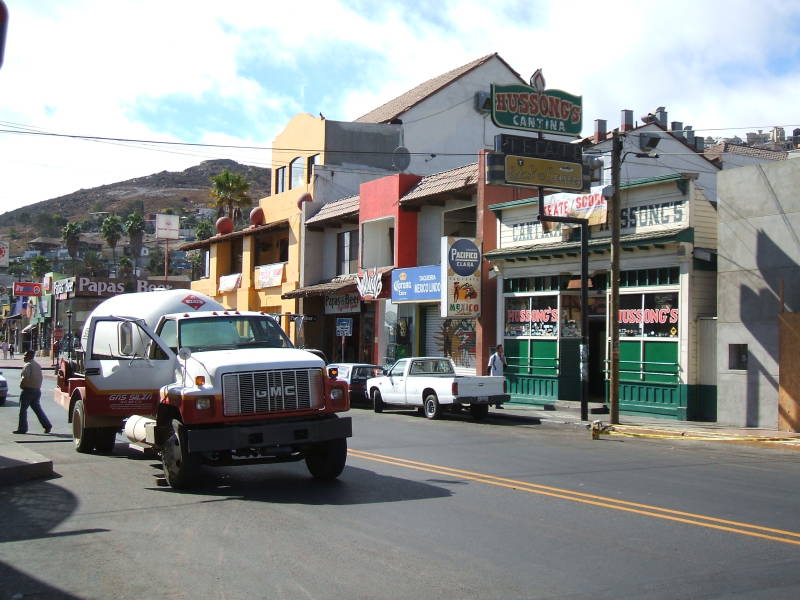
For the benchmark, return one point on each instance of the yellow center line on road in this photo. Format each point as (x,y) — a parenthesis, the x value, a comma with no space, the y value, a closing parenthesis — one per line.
(748,529)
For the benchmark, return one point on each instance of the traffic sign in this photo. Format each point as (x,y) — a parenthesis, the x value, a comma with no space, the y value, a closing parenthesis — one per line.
(344,327)
(520,145)
(527,171)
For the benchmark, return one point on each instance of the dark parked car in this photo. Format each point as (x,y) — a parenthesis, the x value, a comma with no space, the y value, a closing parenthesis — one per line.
(356,375)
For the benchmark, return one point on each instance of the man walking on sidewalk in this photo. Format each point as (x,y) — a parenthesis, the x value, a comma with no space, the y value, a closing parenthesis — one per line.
(497,362)
(31,386)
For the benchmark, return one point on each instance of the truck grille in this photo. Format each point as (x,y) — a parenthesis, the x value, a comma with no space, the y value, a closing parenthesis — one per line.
(255,392)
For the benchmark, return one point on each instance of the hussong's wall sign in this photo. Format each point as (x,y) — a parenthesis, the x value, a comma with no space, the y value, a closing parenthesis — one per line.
(522,107)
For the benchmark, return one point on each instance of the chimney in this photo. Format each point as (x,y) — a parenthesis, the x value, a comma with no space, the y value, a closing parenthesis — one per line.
(599,130)
(661,116)
(689,135)
(626,121)
(699,143)
(677,129)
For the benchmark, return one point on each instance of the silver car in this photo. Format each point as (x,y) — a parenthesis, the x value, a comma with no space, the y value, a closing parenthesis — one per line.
(3,388)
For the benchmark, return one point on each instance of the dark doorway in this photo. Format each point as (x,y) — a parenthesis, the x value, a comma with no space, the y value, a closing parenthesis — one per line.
(597,358)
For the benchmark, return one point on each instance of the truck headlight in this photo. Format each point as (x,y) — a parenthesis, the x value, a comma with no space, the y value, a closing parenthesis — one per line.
(337,394)
(203,403)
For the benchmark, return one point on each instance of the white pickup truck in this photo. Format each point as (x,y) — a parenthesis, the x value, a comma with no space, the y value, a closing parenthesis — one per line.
(429,383)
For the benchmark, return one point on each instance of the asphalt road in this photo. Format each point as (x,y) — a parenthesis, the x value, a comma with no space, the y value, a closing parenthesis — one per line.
(424,509)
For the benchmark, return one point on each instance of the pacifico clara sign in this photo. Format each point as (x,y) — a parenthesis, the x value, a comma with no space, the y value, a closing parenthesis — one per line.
(532,108)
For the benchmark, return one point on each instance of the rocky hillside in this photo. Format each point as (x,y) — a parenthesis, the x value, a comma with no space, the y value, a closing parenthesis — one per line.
(187,190)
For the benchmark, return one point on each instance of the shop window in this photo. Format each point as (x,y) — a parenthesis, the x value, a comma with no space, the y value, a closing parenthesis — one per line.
(297,173)
(532,316)
(311,161)
(236,257)
(283,250)
(737,357)
(649,315)
(570,316)
(347,252)
(280,180)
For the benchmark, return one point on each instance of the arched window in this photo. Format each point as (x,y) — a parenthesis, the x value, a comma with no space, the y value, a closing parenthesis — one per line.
(297,173)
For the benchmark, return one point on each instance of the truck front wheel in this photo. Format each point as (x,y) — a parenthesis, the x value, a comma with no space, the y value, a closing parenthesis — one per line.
(431,407)
(82,437)
(326,459)
(181,469)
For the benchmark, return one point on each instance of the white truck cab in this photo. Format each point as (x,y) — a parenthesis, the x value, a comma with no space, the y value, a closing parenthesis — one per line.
(201,384)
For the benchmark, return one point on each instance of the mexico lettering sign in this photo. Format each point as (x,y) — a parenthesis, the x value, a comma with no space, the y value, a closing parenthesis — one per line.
(417,284)
(461,272)
(518,106)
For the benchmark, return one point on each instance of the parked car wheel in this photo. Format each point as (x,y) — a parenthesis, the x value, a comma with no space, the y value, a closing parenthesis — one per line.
(431,406)
(377,401)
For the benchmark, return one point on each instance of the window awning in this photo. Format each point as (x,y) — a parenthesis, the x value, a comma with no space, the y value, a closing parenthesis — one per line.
(337,285)
(560,249)
(27,328)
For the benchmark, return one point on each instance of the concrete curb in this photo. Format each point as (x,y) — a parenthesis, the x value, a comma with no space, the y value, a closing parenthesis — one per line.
(18,464)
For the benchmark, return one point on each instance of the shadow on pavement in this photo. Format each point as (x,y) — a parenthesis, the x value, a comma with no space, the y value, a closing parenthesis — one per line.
(32,510)
(276,484)
(17,584)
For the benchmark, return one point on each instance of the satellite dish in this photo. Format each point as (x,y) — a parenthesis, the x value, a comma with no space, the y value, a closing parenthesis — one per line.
(401,158)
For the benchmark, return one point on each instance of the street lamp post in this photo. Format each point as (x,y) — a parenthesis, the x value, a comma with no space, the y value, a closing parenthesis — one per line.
(69,333)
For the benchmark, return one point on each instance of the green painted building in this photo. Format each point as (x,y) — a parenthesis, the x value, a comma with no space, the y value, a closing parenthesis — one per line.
(667,299)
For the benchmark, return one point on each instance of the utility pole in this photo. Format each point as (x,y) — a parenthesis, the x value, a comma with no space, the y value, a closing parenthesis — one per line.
(613,305)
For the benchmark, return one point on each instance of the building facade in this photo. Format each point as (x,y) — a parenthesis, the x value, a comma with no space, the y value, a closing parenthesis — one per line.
(667,287)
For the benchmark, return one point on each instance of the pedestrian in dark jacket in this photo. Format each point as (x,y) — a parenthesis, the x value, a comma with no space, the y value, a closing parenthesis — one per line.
(31,391)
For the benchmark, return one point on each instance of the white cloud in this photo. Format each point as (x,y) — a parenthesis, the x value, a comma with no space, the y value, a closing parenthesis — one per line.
(85,66)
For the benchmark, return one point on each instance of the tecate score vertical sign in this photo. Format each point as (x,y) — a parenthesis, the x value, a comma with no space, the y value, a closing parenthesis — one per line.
(461,274)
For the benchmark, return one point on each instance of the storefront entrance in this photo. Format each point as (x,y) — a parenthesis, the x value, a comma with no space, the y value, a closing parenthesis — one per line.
(597,358)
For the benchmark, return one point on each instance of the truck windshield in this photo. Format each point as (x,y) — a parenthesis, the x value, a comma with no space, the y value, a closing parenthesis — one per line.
(230,332)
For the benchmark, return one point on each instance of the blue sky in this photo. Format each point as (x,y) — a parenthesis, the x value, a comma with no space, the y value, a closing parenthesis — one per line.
(235,72)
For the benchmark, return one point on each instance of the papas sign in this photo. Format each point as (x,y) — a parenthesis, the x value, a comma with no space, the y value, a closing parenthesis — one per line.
(532,108)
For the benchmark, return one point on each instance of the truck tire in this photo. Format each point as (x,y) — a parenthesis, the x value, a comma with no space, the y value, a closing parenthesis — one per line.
(105,438)
(181,469)
(479,411)
(377,402)
(431,407)
(326,459)
(83,438)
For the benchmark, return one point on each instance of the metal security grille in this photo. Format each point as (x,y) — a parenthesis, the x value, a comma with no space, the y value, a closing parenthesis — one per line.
(254,392)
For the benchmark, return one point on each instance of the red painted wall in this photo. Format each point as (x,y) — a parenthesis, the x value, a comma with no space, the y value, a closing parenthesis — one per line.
(486,329)
(381,198)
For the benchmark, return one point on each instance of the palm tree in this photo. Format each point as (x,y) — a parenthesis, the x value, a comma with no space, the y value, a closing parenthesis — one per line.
(230,194)
(71,235)
(111,232)
(39,266)
(125,267)
(134,227)
(92,264)
(204,230)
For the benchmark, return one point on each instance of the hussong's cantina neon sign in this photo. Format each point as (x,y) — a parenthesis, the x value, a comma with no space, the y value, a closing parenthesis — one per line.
(649,315)
(522,107)
(545,315)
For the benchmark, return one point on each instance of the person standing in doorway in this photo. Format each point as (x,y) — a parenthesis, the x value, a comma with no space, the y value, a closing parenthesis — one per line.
(497,362)
(31,386)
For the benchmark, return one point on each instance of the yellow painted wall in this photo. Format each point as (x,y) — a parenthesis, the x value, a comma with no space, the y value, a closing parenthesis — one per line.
(304,135)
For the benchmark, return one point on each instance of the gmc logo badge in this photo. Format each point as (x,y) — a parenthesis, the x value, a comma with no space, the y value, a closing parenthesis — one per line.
(277,392)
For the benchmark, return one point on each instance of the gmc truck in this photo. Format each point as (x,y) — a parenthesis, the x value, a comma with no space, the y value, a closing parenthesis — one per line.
(201,385)
(429,383)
